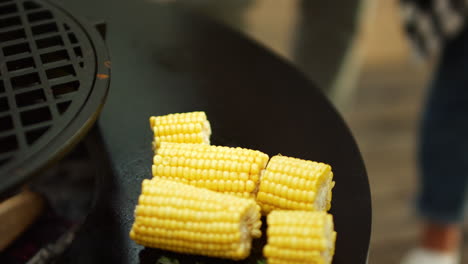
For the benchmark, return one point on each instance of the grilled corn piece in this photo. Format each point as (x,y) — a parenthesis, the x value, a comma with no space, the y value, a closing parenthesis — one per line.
(191,127)
(223,169)
(295,184)
(300,237)
(186,219)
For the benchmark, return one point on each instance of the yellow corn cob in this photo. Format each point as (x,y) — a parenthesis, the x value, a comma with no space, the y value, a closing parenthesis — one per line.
(290,183)
(190,127)
(300,237)
(186,219)
(222,169)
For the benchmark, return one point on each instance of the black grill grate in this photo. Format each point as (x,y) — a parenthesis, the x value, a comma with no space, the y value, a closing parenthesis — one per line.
(45,77)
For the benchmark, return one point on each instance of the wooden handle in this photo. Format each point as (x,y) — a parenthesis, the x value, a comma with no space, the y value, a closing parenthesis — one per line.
(16,214)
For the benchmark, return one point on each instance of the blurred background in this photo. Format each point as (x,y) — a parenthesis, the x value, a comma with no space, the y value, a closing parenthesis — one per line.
(371,75)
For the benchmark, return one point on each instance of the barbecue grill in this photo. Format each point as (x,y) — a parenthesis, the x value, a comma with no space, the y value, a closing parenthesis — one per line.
(54,77)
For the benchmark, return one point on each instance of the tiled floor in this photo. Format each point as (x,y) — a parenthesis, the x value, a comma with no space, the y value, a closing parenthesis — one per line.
(384,121)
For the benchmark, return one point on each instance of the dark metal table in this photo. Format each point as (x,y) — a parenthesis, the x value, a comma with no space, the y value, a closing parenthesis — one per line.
(166,60)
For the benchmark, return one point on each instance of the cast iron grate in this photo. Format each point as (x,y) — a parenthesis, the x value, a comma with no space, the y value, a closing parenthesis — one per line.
(47,70)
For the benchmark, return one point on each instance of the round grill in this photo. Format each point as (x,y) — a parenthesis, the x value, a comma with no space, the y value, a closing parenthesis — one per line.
(48,69)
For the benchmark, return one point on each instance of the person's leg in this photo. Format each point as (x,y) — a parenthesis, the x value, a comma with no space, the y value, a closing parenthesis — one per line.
(443,158)
(444,138)
(230,12)
(325,32)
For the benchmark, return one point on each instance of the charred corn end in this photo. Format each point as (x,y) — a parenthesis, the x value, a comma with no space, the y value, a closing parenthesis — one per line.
(191,127)
(297,237)
(291,183)
(223,169)
(186,219)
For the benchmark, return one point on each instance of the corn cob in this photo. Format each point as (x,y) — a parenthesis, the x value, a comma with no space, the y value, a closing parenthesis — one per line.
(291,183)
(186,219)
(223,169)
(190,127)
(299,237)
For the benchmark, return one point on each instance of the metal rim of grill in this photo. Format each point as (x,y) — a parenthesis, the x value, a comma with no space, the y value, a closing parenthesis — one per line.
(54,75)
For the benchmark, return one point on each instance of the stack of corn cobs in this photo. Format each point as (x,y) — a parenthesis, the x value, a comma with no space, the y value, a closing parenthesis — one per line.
(208,200)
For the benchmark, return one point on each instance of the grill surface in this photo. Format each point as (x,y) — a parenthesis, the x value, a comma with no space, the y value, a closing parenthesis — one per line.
(48,69)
